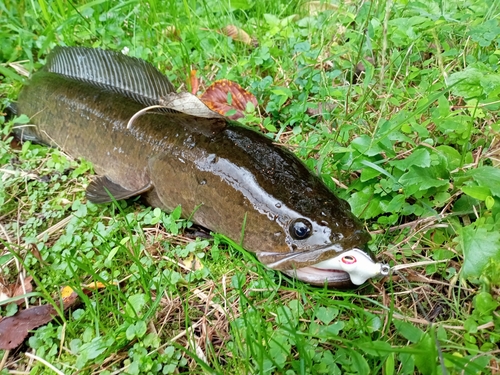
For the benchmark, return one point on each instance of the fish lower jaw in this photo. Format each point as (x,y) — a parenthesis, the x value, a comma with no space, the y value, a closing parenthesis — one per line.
(320,276)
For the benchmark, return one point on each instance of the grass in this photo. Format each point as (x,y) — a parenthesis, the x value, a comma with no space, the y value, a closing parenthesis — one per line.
(394,104)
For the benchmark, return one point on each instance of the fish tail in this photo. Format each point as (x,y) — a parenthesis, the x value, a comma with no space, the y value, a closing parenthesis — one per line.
(110,70)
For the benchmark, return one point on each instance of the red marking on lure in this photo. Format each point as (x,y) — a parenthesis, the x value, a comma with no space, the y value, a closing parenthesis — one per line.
(349,260)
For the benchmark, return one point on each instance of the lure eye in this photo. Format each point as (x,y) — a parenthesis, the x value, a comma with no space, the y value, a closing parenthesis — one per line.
(348,259)
(300,229)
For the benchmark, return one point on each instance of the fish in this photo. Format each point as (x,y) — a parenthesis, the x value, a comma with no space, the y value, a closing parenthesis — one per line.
(143,138)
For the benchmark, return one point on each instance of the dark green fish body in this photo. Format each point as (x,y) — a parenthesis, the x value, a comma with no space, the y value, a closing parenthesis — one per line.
(231,179)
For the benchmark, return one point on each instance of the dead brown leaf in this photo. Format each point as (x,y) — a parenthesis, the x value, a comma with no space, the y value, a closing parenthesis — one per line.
(14,329)
(322,108)
(216,98)
(172,32)
(239,35)
(195,82)
(15,290)
(19,290)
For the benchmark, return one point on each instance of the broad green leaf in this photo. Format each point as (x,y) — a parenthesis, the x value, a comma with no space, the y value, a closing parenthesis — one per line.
(467,83)
(136,330)
(485,304)
(478,246)
(451,155)
(271,19)
(11,309)
(97,346)
(485,33)
(408,331)
(375,348)
(396,203)
(424,178)
(454,126)
(380,170)
(426,361)
(478,192)
(282,91)
(488,177)
(359,364)
(365,204)
(390,364)
(368,173)
(335,328)
(135,305)
(419,158)
(477,81)
(366,145)
(327,314)
(5,258)
(240,4)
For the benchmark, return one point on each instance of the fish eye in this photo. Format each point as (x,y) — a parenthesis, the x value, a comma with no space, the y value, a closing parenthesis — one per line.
(300,229)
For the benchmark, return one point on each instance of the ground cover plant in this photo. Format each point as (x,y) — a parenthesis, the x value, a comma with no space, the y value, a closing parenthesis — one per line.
(393,103)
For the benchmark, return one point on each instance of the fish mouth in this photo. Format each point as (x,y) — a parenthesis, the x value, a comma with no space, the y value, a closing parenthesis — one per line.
(350,267)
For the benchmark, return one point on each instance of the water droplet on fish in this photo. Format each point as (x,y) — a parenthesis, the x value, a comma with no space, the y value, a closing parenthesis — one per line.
(189,142)
(203,182)
(278,205)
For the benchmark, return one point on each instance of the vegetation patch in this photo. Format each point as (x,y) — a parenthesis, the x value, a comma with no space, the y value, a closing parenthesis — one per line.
(393,104)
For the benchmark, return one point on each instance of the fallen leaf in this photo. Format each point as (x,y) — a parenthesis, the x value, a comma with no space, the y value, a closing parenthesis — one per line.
(322,108)
(4,292)
(14,329)
(18,291)
(36,253)
(187,103)
(66,292)
(97,285)
(239,35)
(195,83)
(21,70)
(192,262)
(216,98)
(15,290)
(360,68)
(172,32)
(70,299)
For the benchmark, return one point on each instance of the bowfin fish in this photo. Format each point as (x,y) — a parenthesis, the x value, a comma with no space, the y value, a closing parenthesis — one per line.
(122,114)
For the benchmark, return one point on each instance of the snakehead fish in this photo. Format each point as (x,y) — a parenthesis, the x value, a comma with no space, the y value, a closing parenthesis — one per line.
(229,178)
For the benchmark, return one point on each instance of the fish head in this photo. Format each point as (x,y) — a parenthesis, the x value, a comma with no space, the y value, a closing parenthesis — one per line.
(324,243)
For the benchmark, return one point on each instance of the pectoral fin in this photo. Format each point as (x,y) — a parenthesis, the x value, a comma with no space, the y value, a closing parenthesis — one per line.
(103,190)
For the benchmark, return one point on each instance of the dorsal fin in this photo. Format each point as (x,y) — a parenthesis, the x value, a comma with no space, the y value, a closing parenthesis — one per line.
(128,76)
